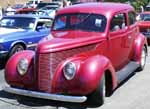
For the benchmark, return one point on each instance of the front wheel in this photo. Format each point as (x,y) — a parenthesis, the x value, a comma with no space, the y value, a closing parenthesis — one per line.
(16,49)
(142,59)
(98,96)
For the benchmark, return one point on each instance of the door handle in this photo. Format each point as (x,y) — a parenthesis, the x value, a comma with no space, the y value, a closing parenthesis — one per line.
(129,37)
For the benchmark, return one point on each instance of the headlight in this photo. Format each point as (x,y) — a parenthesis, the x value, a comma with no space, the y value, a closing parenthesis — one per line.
(22,66)
(69,70)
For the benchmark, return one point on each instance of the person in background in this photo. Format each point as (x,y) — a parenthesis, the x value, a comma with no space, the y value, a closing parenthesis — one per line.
(1,12)
(66,3)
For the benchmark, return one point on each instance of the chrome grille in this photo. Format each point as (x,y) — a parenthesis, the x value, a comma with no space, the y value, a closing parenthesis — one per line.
(48,64)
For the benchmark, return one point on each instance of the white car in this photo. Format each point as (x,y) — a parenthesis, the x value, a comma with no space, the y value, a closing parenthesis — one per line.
(49,10)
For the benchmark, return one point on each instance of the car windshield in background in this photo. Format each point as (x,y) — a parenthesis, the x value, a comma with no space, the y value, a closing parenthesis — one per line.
(52,7)
(145,17)
(80,21)
(17,22)
(41,5)
(147,8)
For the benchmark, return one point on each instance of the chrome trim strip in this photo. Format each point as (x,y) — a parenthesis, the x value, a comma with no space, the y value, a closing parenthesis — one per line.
(66,98)
(31,45)
(3,52)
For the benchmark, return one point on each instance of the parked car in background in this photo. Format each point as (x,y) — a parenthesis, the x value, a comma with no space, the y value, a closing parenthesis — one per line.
(17,6)
(20,32)
(147,8)
(25,10)
(95,46)
(49,10)
(33,3)
(43,4)
(144,24)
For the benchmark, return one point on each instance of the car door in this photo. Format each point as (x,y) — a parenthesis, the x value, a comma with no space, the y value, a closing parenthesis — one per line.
(118,38)
(132,32)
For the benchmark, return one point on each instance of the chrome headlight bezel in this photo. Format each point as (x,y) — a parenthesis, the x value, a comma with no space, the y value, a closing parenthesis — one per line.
(22,66)
(69,70)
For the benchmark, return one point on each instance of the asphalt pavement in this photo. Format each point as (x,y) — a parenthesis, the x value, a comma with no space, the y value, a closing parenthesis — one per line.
(134,93)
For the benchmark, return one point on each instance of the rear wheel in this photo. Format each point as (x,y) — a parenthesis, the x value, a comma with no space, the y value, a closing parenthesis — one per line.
(98,96)
(142,59)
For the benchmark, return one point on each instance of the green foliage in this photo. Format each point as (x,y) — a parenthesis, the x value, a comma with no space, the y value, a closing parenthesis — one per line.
(135,3)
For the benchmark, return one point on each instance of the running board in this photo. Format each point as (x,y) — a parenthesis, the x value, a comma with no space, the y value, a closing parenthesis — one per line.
(126,71)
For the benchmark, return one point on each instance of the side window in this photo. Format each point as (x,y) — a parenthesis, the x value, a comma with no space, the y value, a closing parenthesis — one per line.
(48,24)
(60,22)
(40,25)
(132,18)
(44,23)
(118,22)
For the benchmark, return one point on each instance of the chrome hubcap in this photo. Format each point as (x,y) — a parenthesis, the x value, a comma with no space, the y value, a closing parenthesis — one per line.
(104,89)
(19,49)
(143,58)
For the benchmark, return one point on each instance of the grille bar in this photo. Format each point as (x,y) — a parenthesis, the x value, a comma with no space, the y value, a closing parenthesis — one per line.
(48,64)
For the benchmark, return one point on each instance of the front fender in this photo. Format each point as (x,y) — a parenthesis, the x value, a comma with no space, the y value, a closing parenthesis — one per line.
(92,71)
(138,45)
(17,42)
(89,72)
(11,74)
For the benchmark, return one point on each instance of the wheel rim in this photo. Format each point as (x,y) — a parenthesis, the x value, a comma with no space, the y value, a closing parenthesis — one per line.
(104,89)
(143,57)
(19,49)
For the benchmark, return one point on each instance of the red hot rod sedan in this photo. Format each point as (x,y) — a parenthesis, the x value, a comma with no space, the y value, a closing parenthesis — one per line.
(144,24)
(94,47)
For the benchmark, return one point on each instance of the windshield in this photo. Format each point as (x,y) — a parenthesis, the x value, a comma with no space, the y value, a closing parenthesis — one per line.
(17,22)
(145,17)
(80,21)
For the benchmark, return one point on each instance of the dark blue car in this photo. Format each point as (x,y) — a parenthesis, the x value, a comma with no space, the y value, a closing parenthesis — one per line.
(20,32)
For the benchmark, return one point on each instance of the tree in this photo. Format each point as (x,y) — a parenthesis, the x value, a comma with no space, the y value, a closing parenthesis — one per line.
(135,3)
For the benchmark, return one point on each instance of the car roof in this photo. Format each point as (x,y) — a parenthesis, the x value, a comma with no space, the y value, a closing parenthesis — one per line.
(97,8)
(29,16)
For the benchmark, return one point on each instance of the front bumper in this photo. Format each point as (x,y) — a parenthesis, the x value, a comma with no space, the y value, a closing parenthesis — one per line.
(3,54)
(65,98)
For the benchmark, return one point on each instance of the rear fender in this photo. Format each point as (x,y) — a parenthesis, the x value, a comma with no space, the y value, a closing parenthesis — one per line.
(139,43)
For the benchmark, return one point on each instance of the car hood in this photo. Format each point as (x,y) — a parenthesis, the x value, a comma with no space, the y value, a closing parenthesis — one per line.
(8,34)
(8,30)
(62,41)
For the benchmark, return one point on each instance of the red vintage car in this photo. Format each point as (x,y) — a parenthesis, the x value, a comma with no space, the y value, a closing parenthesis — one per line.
(144,24)
(94,47)
(25,10)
